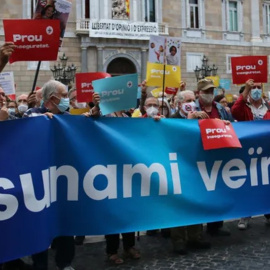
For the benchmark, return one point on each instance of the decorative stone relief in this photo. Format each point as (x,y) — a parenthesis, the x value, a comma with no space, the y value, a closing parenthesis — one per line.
(120,10)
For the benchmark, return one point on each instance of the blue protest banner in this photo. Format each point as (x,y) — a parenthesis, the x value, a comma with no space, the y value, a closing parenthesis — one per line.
(117,93)
(81,176)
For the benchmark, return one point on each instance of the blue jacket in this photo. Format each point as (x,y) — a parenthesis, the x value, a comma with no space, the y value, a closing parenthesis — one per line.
(223,114)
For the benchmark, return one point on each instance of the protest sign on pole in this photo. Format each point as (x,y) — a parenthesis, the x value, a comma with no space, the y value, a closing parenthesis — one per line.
(249,67)
(36,40)
(164,58)
(84,84)
(117,93)
(155,75)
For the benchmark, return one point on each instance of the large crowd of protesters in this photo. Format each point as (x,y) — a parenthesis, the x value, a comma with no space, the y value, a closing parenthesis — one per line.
(201,103)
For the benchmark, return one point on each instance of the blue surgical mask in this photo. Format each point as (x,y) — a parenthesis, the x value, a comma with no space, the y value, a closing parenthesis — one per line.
(256,94)
(63,104)
(41,103)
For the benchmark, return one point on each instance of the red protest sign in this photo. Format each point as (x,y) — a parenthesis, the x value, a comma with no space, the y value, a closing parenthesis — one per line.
(171,90)
(84,84)
(216,134)
(249,67)
(36,40)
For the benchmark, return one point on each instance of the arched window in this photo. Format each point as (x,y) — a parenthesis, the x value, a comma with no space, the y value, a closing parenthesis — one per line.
(121,66)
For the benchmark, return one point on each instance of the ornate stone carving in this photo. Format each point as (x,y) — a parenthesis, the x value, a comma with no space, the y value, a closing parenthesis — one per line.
(119,10)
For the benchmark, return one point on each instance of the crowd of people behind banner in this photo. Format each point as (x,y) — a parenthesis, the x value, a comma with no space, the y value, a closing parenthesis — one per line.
(54,98)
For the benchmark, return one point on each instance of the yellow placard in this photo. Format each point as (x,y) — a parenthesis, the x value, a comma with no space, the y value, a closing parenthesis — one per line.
(155,92)
(136,113)
(215,80)
(78,111)
(155,73)
(229,98)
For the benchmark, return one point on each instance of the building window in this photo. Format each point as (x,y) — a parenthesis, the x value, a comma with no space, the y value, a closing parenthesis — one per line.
(233,16)
(32,65)
(266,17)
(232,20)
(86,9)
(193,14)
(193,60)
(29,7)
(228,61)
(149,11)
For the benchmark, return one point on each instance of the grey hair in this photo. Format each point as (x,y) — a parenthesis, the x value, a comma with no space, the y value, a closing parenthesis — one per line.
(71,91)
(181,95)
(153,98)
(50,88)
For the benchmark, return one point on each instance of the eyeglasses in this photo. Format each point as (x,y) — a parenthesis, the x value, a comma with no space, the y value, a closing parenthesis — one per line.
(256,87)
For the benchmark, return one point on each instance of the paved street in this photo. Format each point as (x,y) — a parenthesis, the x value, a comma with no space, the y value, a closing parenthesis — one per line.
(248,249)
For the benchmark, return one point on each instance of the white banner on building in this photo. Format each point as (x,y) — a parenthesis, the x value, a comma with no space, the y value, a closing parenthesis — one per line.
(7,82)
(122,29)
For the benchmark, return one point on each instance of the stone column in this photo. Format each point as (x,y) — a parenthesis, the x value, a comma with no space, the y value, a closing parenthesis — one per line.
(255,21)
(100,58)
(144,63)
(84,59)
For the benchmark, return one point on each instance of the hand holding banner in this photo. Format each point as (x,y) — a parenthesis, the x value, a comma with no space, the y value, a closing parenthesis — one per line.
(216,134)
(84,84)
(117,93)
(36,40)
(249,67)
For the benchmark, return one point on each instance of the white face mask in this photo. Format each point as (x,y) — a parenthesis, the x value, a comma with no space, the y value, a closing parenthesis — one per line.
(22,108)
(207,98)
(152,111)
(11,111)
(189,107)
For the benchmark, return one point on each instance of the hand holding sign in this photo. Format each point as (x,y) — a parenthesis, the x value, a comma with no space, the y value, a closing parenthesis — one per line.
(5,52)
(253,90)
(3,114)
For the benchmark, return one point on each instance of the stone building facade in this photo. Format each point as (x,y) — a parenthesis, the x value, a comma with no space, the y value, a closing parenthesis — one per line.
(218,29)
